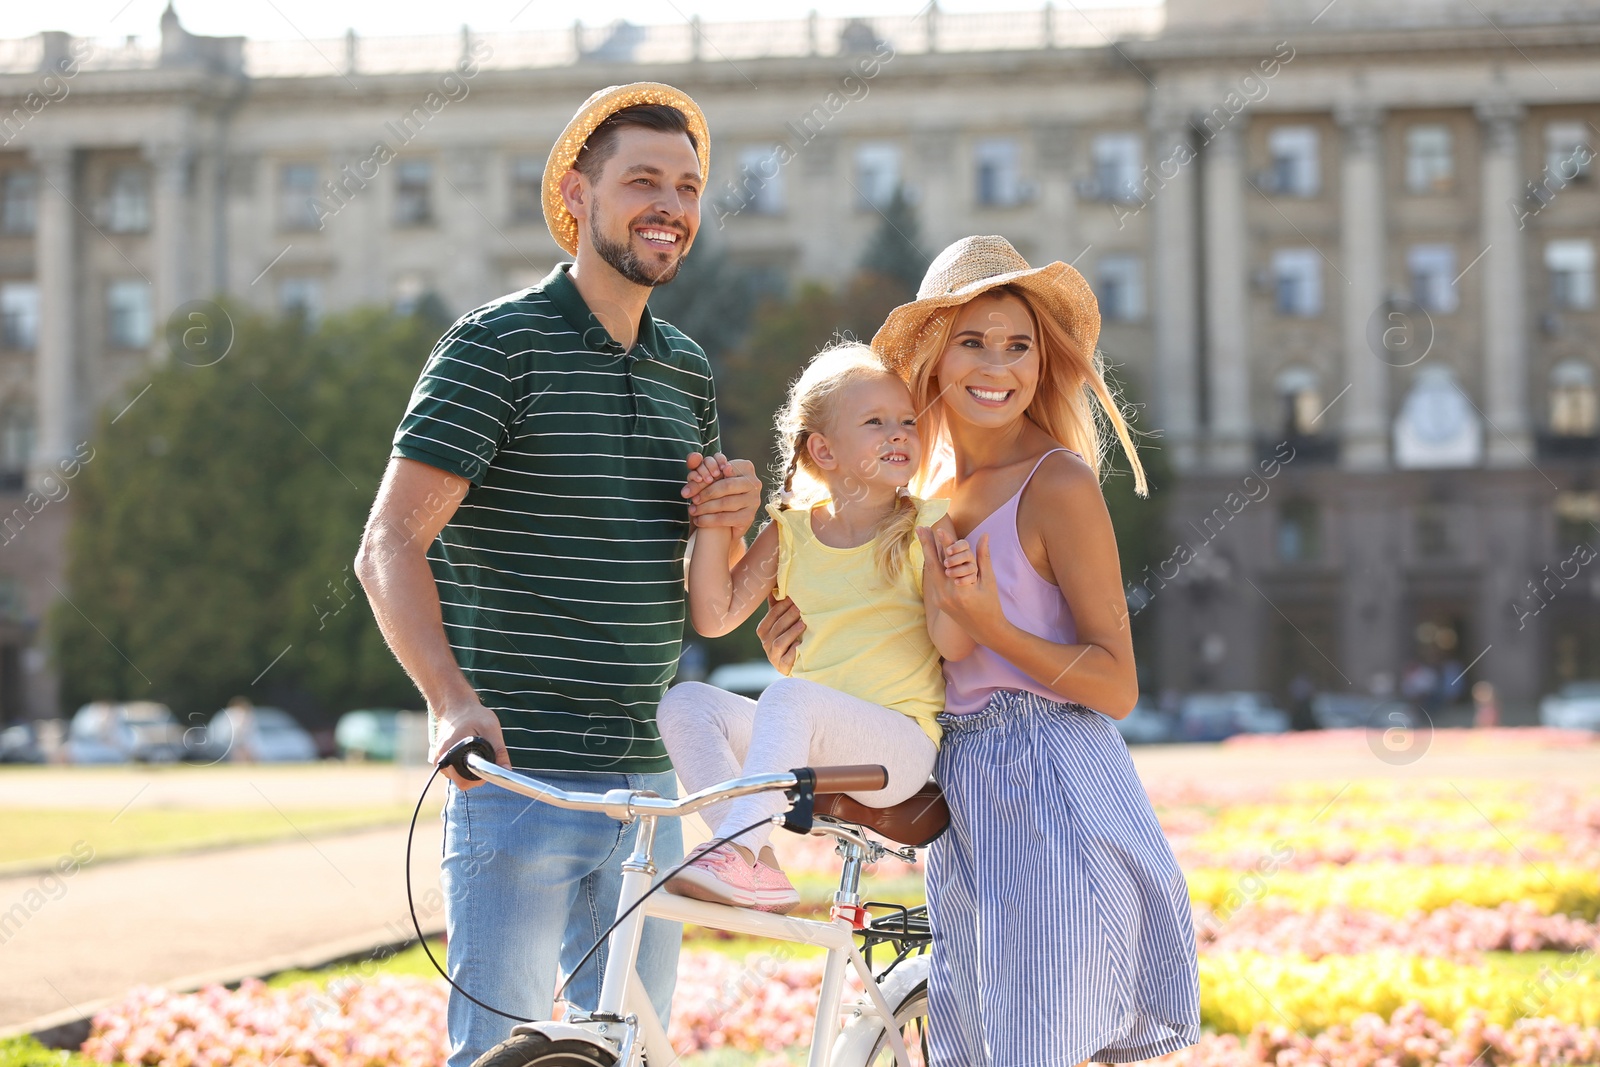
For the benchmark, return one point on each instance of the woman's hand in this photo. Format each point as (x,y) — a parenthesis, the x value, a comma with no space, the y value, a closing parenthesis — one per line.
(971,600)
(780,633)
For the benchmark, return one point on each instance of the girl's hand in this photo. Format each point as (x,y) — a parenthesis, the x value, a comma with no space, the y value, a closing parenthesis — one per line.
(960,562)
(974,604)
(703,470)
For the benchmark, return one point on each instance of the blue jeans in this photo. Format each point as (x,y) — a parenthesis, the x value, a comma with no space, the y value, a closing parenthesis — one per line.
(528,887)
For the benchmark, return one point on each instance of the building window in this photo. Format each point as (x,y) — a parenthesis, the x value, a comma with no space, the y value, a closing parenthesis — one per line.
(1120,288)
(19,194)
(297,197)
(413,204)
(16,437)
(1431,528)
(1430,159)
(1572,400)
(1577,518)
(1433,273)
(128,200)
(999,161)
(759,188)
(1301,396)
(1571,267)
(301,296)
(128,305)
(1568,151)
(1118,160)
(877,175)
(1295,169)
(19,315)
(1297,281)
(409,289)
(1299,531)
(527,189)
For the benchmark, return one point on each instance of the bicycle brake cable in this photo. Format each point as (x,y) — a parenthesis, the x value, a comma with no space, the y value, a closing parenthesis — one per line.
(411,904)
(646,896)
(423,941)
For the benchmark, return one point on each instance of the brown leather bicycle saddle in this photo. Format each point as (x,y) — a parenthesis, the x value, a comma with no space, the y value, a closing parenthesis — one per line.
(915,821)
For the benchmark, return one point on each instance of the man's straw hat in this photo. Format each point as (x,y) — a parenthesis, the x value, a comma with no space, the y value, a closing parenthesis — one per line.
(595,110)
(975,265)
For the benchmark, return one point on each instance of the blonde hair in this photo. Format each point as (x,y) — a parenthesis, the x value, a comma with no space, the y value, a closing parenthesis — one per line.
(809,409)
(1060,407)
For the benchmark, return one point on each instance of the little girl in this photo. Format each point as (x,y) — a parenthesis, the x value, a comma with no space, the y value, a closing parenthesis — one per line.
(866,687)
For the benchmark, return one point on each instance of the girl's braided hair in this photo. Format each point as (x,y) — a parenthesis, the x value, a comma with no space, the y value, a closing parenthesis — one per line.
(809,410)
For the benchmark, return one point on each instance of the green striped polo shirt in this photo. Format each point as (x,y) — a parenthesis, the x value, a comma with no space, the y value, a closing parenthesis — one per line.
(560,575)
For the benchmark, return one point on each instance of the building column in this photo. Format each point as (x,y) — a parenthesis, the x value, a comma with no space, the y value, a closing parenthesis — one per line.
(1501,281)
(1176,388)
(171,227)
(1364,418)
(1227,295)
(55,377)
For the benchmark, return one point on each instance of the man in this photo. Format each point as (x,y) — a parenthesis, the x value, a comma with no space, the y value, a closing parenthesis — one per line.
(524,558)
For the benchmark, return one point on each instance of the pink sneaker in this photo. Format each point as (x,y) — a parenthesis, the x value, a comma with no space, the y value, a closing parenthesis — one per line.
(721,876)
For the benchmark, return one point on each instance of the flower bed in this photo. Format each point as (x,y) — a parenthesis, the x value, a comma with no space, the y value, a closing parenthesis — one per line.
(1383,924)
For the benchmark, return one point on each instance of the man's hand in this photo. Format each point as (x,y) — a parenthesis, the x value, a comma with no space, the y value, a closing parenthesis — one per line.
(780,632)
(461,722)
(731,497)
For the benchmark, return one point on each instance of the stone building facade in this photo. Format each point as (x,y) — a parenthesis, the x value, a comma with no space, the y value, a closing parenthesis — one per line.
(1345,251)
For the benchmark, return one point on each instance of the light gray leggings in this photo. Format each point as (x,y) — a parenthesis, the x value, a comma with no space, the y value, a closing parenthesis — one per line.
(713,735)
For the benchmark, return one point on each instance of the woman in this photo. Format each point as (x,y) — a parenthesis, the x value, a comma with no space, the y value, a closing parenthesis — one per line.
(1061,921)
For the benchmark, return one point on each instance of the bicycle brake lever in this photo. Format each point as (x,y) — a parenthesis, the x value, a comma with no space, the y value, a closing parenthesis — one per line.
(456,758)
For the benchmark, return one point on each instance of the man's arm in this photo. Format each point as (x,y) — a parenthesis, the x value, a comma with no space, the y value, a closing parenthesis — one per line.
(414,503)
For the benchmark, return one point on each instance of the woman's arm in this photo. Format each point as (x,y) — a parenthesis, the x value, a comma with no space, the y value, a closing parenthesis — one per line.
(721,597)
(1097,671)
(949,638)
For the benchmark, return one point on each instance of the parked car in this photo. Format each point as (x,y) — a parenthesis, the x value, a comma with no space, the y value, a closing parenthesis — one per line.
(1215,716)
(747,679)
(367,734)
(1145,724)
(1343,711)
(1575,706)
(108,732)
(265,735)
(18,745)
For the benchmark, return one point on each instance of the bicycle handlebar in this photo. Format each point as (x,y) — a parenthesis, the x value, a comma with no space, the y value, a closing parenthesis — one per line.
(473,759)
(855,778)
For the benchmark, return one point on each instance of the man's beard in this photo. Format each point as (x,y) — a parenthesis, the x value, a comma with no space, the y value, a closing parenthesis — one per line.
(625,261)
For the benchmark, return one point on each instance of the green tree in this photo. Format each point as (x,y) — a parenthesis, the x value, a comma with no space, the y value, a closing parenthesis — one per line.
(894,251)
(711,300)
(215,525)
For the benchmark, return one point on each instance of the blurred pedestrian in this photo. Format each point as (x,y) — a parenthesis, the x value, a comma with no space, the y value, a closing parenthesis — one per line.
(1485,706)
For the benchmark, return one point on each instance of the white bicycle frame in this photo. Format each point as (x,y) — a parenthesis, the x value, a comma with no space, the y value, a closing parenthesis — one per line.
(624,1023)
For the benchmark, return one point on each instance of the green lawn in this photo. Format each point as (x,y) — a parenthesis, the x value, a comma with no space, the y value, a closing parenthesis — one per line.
(31,837)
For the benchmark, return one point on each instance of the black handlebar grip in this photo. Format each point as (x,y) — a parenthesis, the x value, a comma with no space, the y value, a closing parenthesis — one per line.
(456,758)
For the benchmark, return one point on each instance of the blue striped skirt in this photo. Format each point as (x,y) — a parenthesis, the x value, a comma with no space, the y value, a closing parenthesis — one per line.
(1061,927)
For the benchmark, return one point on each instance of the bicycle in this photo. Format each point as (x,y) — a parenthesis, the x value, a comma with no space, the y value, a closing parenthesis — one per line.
(623,1029)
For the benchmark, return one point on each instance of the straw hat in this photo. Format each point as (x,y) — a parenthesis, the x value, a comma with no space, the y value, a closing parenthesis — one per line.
(595,110)
(975,265)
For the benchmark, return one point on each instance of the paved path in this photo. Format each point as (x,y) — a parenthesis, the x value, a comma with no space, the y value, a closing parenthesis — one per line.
(66,943)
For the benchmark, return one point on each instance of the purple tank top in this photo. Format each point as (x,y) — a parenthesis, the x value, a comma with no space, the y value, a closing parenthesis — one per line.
(1030,602)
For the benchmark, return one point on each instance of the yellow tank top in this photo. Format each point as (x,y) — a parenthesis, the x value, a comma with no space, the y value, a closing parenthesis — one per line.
(863,636)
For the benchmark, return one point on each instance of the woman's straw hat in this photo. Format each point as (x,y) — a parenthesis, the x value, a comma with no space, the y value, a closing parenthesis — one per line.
(595,110)
(975,265)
